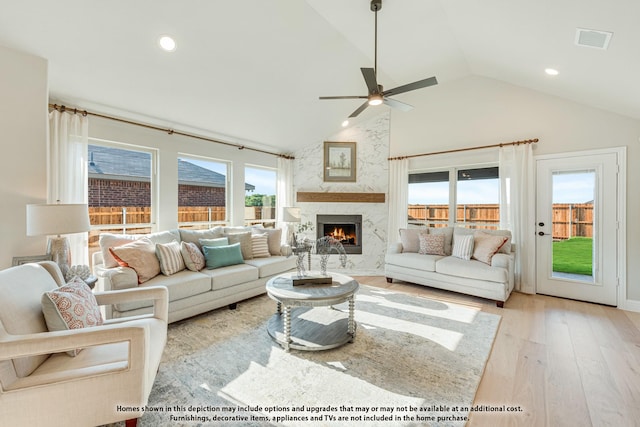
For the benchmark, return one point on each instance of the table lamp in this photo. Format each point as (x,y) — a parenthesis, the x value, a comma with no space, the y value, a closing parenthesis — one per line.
(56,220)
(291,215)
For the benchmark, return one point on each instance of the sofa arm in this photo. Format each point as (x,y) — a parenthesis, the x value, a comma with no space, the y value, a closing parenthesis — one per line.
(116,278)
(159,295)
(395,248)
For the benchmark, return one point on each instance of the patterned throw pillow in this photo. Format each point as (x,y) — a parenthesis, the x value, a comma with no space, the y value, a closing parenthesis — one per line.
(193,258)
(170,258)
(71,306)
(431,244)
(485,246)
(139,255)
(462,246)
(260,245)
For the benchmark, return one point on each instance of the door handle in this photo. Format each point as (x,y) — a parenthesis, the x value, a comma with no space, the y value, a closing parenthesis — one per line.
(541,233)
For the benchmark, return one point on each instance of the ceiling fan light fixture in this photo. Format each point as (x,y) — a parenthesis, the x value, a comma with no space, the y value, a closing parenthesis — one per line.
(375,99)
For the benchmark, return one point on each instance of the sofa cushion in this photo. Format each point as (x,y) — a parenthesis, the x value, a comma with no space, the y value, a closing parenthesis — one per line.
(472,269)
(505,249)
(409,239)
(447,232)
(194,236)
(184,284)
(222,256)
(485,246)
(72,306)
(164,236)
(232,275)
(170,258)
(431,244)
(139,255)
(414,261)
(462,246)
(272,265)
(108,240)
(192,256)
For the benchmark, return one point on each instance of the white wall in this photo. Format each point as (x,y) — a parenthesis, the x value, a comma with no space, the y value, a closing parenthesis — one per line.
(23,120)
(479,111)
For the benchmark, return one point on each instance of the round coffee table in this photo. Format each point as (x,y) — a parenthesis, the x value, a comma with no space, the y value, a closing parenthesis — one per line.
(297,325)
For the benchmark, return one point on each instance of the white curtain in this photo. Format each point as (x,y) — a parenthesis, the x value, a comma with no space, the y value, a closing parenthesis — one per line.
(398,197)
(67,170)
(284,190)
(517,210)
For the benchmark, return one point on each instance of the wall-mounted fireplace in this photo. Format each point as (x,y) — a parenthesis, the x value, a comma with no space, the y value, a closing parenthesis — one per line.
(345,228)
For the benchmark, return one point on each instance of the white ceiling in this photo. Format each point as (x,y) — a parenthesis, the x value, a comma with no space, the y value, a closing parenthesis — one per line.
(252,70)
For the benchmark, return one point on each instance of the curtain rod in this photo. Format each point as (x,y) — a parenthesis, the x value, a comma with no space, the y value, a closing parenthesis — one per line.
(62,109)
(502,144)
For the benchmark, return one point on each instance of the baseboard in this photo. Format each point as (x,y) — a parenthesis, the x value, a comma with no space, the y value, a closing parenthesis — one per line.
(632,305)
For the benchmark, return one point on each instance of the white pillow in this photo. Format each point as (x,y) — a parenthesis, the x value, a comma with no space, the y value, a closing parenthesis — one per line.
(462,246)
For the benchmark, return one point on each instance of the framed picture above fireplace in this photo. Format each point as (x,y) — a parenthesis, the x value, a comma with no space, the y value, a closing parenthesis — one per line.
(340,161)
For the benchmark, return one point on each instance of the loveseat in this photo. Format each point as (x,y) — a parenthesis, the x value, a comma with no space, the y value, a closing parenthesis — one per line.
(61,363)
(473,262)
(193,289)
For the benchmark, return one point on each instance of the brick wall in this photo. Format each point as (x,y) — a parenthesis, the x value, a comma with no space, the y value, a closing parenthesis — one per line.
(105,193)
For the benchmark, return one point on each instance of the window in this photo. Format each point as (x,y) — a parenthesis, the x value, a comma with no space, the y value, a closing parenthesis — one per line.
(473,197)
(120,190)
(202,192)
(260,196)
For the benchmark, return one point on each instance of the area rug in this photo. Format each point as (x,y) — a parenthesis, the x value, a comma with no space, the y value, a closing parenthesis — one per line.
(414,362)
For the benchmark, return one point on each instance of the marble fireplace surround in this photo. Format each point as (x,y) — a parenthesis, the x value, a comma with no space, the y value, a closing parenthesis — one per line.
(367,196)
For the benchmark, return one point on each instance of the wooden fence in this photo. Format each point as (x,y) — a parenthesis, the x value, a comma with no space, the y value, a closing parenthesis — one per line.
(569,220)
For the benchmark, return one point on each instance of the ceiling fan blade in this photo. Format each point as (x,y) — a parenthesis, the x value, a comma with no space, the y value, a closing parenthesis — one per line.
(343,97)
(369,75)
(411,86)
(397,104)
(360,109)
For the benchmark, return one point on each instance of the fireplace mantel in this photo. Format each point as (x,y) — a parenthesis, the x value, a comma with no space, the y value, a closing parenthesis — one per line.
(327,197)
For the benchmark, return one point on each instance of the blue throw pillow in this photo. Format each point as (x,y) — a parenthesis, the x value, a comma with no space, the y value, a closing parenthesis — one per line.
(222,256)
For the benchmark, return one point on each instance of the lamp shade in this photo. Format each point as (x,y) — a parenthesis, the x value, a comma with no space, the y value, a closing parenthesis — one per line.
(46,220)
(291,214)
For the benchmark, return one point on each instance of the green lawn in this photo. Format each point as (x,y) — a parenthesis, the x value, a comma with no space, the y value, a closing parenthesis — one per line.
(573,255)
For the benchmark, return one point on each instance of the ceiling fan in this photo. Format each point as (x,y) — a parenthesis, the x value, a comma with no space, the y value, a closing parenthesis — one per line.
(377,95)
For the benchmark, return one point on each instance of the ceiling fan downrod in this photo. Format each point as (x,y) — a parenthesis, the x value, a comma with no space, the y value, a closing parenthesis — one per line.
(376,5)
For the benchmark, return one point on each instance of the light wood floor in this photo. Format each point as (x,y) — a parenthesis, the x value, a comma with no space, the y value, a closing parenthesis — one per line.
(565,363)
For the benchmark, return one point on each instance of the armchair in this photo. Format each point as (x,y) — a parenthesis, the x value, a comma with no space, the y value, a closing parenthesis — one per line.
(108,381)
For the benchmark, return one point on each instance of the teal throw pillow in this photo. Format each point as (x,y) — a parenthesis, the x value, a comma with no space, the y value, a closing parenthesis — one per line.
(222,256)
(220,241)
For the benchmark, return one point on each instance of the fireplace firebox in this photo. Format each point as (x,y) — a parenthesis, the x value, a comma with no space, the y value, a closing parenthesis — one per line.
(345,228)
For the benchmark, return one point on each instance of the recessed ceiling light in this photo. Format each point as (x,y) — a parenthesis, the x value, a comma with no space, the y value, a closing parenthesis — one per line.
(167,43)
(551,71)
(345,123)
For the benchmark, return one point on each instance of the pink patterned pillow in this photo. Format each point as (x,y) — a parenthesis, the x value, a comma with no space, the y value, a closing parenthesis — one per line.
(193,258)
(431,244)
(72,306)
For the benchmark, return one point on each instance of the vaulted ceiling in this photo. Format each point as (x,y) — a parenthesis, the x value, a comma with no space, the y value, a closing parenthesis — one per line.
(252,70)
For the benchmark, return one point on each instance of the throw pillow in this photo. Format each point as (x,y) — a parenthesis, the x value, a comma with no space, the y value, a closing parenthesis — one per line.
(462,246)
(431,244)
(220,241)
(193,258)
(108,240)
(170,258)
(485,246)
(222,256)
(194,236)
(244,238)
(409,239)
(71,306)
(139,255)
(260,245)
(274,239)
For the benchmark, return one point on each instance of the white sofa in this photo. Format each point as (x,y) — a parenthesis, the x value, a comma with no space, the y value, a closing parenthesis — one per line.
(493,281)
(193,292)
(42,385)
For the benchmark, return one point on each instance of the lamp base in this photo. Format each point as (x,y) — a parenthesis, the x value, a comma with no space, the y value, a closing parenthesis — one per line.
(60,251)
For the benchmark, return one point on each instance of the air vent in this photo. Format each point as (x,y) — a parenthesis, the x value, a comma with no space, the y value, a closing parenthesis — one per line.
(593,38)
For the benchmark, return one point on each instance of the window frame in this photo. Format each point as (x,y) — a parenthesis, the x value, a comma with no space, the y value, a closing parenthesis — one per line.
(270,169)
